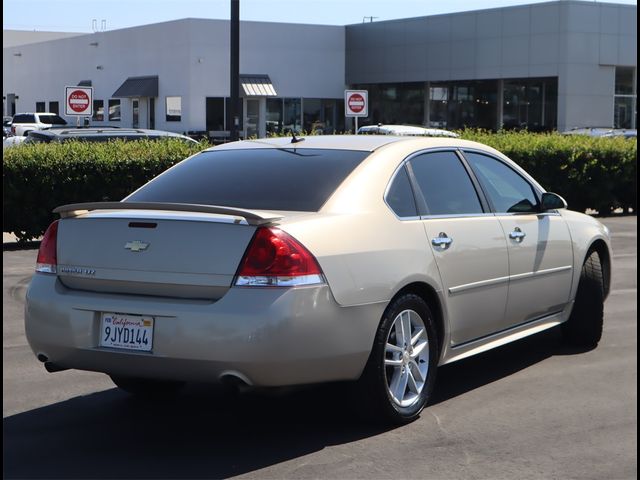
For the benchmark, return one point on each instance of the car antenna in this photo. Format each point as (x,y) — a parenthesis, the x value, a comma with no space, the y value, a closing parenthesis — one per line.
(294,139)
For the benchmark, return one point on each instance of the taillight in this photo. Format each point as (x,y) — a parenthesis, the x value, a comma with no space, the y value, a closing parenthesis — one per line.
(276,259)
(47,258)
(13,130)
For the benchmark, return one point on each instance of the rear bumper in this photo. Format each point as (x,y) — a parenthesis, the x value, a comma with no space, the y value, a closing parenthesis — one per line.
(266,336)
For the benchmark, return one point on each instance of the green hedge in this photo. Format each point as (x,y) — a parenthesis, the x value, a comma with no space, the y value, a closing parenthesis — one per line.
(36,178)
(597,173)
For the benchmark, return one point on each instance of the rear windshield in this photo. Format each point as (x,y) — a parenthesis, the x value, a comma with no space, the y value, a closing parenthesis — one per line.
(262,179)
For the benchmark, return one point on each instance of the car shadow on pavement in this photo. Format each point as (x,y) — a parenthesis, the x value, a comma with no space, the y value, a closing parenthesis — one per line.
(463,376)
(201,433)
(205,433)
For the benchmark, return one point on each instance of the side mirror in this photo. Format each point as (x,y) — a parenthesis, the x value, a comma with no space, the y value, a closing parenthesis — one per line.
(552,201)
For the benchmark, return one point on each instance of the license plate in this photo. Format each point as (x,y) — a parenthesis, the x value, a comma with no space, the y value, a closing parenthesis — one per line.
(130,332)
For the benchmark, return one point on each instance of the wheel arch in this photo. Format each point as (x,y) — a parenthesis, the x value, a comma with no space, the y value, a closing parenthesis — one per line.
(601,248)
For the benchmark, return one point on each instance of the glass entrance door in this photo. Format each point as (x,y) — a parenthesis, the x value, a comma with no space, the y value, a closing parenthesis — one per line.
(252,119)
(135,113)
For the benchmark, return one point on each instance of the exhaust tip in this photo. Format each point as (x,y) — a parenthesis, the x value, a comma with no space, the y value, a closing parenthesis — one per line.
(43,358)
(235,380)
(52,367)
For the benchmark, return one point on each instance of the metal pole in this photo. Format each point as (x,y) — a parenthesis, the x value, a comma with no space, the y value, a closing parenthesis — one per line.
(234,100)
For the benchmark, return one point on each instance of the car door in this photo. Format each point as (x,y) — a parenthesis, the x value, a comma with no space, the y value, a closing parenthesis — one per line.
(467,242)
(539,243)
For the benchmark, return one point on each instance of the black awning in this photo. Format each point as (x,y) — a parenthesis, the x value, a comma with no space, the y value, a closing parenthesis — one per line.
(257,86)
(138,87)
(84,83)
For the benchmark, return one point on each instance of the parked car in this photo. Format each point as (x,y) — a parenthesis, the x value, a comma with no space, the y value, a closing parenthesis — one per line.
(100,134)
(603,132)
(6,126)
(287,261)
(623,132)
(12,141)
(405,130)
(23,123)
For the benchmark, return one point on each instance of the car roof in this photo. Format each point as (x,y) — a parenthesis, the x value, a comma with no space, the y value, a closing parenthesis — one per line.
(406,130)
(368,143)
(35,113)
(103,131)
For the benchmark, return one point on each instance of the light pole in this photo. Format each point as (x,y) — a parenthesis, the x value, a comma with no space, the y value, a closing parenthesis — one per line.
(234,101)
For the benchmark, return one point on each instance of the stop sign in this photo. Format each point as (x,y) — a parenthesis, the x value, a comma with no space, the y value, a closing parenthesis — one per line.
(78,101)
(355,104)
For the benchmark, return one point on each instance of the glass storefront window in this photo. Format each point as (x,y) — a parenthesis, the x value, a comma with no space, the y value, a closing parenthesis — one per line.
(397,103)
(529,104)
(312,115)
(114,110)
(174,109)
(624,81)
(623,112)
(438,106)
(292,115)
(274,116)
(473,105)
(215,114)
(625,98)
(98,110)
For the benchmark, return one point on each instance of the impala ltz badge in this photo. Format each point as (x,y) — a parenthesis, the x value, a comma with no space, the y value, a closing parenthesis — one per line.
(136,246)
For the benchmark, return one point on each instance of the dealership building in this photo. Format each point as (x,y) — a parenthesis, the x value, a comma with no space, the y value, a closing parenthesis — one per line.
(547,66)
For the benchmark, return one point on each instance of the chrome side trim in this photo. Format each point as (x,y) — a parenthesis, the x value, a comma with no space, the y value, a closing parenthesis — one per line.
(457,215)
(496,281)
(549,271)
(480,284)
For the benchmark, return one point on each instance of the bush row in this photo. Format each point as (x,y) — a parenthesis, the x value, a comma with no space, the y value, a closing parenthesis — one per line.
(597,173)
(36,178)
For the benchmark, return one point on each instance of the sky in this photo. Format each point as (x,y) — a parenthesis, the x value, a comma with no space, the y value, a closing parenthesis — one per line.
(79,15)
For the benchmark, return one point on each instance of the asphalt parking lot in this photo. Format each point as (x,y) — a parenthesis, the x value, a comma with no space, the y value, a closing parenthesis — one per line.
(533,409)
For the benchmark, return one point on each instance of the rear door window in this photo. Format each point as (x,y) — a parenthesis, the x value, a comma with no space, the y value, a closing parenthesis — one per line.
(445,184)
(263,179)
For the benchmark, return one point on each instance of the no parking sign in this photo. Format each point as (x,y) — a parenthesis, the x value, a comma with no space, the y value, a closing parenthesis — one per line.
(78,101)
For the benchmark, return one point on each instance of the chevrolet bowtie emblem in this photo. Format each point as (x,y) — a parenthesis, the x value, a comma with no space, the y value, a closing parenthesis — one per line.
(136,246)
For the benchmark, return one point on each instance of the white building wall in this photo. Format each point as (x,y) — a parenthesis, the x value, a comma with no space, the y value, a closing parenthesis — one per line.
(191,59)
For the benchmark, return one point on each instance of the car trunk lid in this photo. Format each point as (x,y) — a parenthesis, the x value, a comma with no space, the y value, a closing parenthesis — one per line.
(153,249)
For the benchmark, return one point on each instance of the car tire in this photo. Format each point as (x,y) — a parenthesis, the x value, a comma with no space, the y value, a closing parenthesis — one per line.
(146,387)
(400,374)
(584,327)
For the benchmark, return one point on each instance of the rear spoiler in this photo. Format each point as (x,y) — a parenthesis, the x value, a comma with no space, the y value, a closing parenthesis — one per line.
(251,218)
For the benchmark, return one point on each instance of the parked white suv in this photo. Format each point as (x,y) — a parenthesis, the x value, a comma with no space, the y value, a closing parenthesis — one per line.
(23,123)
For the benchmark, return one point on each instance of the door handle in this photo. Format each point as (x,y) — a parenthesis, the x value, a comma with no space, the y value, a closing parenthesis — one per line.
(517,234)
(442,241)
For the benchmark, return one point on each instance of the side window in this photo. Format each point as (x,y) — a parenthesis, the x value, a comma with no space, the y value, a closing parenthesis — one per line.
(507,190)
(445,184)
(400,196)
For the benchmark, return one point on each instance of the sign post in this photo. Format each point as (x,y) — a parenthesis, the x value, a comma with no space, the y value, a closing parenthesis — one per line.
(78,102)
(356,104)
